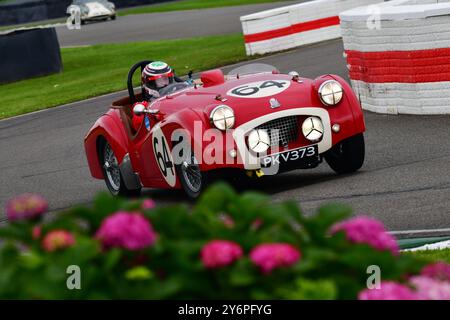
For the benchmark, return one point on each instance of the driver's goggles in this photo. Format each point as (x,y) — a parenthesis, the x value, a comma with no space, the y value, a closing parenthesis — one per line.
(168,75)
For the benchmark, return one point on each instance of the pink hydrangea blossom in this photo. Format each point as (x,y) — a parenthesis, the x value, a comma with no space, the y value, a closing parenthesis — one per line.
(26,206)
(269,256)
(369,231)
(438,271)
(127,230)
(256,224)
(227,220)
(220,253)
(430,289)
(389,290)
(57,239)
(36,232)
(148,204)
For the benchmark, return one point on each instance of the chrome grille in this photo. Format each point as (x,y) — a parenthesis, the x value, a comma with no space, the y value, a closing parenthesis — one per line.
(281,131)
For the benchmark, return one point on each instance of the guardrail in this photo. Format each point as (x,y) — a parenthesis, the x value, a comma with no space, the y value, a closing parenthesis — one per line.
(296,25)
(400,63)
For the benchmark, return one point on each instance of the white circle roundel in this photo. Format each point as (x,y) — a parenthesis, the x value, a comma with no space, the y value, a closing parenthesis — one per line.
(259,89)
(163,156)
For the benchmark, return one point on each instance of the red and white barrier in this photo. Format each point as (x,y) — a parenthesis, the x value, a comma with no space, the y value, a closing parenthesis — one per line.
(398,54)
(296,25)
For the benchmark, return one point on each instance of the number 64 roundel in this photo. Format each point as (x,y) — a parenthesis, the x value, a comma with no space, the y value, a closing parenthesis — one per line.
(163,156)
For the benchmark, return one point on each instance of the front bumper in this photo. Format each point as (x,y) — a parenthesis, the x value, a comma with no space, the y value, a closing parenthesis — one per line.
(97,17)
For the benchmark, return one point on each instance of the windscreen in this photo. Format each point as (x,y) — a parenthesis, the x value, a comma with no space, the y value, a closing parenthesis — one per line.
(252,68)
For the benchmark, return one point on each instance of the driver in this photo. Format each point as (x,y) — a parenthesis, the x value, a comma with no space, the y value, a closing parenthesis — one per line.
(155,76)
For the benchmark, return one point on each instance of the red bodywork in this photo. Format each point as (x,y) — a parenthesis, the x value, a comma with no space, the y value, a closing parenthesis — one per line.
(183,108)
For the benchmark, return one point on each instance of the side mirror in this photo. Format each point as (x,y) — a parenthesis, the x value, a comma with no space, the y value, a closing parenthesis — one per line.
(295,76)
(140,109)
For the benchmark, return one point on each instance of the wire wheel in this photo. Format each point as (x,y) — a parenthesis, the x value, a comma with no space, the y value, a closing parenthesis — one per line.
(111,167)
(192,175)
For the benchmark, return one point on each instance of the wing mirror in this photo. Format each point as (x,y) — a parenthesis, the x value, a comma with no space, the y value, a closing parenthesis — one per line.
(140,109)
(295,76)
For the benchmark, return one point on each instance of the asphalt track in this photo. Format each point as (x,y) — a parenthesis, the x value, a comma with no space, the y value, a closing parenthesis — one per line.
(405,180)
(161,26)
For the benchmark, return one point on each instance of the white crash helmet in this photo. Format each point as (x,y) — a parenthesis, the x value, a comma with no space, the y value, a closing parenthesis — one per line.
(155,76)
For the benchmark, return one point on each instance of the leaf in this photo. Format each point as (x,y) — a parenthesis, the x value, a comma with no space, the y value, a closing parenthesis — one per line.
(17,231)
(31,260)
(112,258)
(242,274)
(215,199)
(305,289)
(319,224)
(105,203)
(138,273)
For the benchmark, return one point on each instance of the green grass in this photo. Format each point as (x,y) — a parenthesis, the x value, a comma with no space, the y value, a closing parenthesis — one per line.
(189,5)
(432,255)
(100,69)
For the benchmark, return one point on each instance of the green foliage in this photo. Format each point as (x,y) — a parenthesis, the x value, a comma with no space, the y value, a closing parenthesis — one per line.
(330,267)
(431,255)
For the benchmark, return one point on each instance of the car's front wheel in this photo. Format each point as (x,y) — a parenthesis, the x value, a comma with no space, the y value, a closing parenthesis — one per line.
(111,172)
(348,155)
(192,179)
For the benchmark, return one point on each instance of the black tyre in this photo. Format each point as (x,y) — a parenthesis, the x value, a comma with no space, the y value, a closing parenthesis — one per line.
(112,174)
(113,17)
(348,155)
(191,178)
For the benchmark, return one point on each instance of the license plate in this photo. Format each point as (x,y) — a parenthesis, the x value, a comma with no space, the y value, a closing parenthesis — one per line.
(289,156)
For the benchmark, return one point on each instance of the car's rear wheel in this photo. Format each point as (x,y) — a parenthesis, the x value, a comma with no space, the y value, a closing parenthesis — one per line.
(113,17)
(192,179)
(111,172)
(348,155)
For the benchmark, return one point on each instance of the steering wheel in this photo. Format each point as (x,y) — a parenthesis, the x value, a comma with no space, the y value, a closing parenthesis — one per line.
(141,65)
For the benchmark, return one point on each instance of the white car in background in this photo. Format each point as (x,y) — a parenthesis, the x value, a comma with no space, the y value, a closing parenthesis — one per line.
(93,10)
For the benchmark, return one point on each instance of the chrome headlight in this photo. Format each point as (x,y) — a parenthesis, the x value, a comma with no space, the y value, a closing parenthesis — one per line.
(312,129)
(222,117)
(331,92)
(259,140)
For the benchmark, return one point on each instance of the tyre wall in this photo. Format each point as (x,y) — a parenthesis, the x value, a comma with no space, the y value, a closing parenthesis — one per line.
(296,25)
(29,53)
(400,63)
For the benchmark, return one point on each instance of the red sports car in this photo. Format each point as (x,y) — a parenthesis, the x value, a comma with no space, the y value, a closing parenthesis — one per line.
(254,120)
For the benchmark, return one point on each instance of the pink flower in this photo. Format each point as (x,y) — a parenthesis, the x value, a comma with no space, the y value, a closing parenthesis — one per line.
(438,271)
(57,239)
(227,220)
(26,206)
(269,256)
(148,204)
(389,290)
(128,230)
(369,231)
(36,232)
(431,289)
(256,224)
(220,253)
